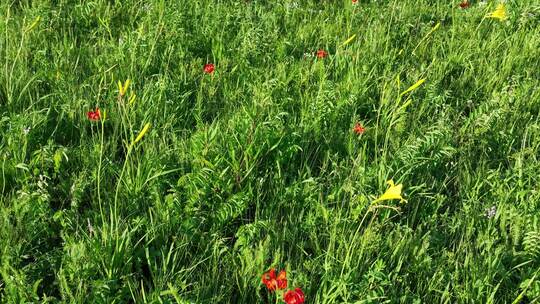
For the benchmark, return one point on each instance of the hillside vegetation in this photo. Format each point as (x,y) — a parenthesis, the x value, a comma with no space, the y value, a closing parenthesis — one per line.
(178,151)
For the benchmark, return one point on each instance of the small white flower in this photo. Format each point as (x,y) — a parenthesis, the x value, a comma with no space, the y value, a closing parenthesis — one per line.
(292,5)
(491,212)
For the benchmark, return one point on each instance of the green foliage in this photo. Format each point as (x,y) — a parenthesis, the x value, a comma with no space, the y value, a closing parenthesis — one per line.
(256,165)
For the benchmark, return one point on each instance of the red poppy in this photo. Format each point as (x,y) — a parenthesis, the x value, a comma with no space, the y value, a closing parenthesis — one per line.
(94,115)
(359,129)
(321,54)
(295,296)
(272,282)
(209,68)
(464,4)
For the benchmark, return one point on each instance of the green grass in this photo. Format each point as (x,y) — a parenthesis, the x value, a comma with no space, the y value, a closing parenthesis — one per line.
(256,166)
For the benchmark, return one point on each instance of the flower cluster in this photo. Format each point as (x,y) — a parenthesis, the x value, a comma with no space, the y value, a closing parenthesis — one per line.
(275,283)
(279,282)
(499,13)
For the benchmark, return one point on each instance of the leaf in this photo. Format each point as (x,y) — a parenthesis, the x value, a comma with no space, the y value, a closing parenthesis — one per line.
(57,160)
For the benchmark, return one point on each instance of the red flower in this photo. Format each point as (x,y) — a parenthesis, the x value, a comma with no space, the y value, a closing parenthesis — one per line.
(354,2)
(209,68)
(295,296)
(321,54)
(464,4)
(94,115)
(359,129)
(272,282)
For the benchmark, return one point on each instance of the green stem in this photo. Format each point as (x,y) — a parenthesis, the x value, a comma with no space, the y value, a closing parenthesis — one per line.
(115,213)
(99,169)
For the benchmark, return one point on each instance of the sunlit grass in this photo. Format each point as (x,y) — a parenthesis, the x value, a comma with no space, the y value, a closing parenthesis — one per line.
(175,152)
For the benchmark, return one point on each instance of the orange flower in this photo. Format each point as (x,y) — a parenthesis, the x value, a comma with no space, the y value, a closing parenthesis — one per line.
(295,296)
(93,115)
(272,282)
(464,4)
(321,54)
(209,68)
(359,129)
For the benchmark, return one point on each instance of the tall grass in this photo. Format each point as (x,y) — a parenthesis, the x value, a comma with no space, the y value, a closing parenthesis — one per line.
(256,165)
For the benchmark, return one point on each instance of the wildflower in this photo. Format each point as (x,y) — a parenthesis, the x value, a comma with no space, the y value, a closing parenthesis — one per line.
(272,282)
(94,115)
(26,130)
(348,40)
(394,192)
(209,68)
(491,212)
(34,24)
(354,2)
(414,86)
(132,98)
(295,296)
(321,54)
(292,5)
(464,4)
(359,129)
(498,13)
(122,89)
(141,134)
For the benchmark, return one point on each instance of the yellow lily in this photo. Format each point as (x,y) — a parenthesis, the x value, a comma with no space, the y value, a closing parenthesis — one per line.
(394,192)
(498,13)
(141,134)
(132,98)
(122,89)
(348,40)
(34,24)
(414,86)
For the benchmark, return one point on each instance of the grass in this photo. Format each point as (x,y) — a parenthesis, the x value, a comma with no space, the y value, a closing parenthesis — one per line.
(256,165)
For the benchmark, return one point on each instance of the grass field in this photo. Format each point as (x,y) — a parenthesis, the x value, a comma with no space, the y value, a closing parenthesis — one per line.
(250,135)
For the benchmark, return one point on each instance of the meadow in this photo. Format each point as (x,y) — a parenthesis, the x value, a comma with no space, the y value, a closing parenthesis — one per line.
(212,151)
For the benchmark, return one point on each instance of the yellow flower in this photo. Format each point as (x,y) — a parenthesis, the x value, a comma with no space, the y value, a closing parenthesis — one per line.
(132,98)
(498,13)
(34,24)
(348,40)
(394,192)
(414,86)
(141,134)
(122,89)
